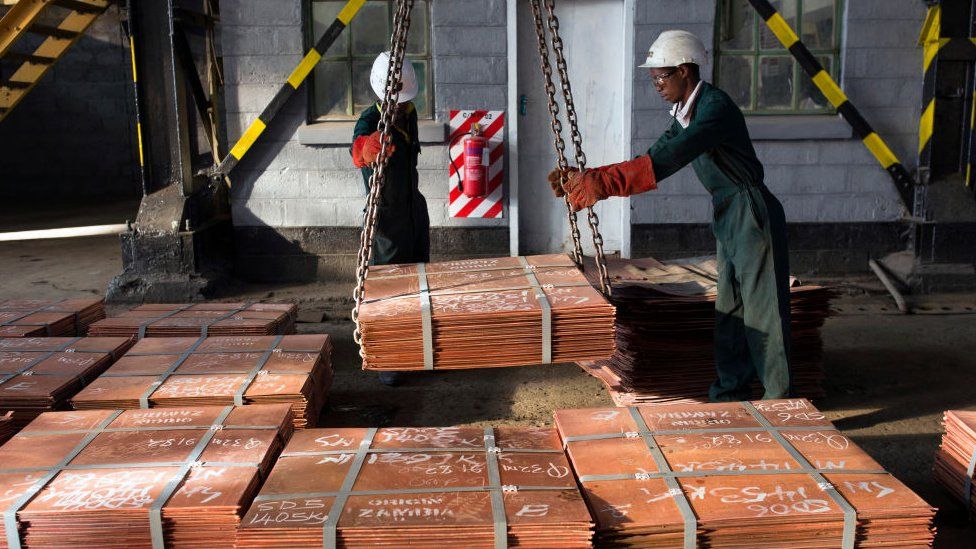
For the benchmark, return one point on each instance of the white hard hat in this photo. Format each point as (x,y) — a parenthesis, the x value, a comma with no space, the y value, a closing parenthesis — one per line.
(673,48)
(377,78)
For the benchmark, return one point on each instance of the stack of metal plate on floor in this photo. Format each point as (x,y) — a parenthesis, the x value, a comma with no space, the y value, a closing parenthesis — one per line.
(482,313)
(40,374)
(45,317)
(6,426)
(166,372)
(137,478)
(955,462)
(665,333)
(419,487)
(201,319)
(743,475)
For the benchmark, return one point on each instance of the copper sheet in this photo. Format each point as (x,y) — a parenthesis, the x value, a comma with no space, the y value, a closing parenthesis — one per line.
(956,457)
(86,505)
(298,371)
(744,486)
(665,333)
(186,320)
(431,516)
(40,374)
(52,318)
(484,313)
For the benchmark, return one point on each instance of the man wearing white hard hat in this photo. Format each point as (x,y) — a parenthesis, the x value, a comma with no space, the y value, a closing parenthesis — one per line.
(402,227)
(708,131)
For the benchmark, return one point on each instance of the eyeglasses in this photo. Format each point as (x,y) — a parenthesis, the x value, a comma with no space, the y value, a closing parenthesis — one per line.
(659,79)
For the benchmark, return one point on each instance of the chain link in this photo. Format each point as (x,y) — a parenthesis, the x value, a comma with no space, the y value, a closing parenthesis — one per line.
(557,128)
(557,46)
(391,94)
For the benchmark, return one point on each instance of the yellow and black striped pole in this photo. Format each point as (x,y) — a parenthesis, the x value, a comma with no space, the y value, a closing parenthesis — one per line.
(931,41)
(904,182)
(296,78)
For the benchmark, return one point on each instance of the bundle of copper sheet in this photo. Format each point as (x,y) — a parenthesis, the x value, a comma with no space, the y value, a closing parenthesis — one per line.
(201,319)
(759,474)
(178,477)
(665,333)
(186,371)
(6,426)
(40,374)
(483,313)
(427,487)
(955,462)
(52,318)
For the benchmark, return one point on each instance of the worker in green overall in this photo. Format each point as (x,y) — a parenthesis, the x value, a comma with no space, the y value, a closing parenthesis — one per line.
(708,131)
(402,232)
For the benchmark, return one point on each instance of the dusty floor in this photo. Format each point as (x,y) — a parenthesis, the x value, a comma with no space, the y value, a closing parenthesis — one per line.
(890,376)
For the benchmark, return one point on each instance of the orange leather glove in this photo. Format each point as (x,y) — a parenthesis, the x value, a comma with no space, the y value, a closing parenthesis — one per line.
(372,146)
(588,187)
(554,180)
(357,151)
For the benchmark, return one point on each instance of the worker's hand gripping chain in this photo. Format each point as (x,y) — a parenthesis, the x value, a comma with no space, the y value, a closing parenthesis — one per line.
(391,95)
(564,170)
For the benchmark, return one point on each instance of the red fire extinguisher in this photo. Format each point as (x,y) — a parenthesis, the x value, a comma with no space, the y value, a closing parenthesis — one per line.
(475,181)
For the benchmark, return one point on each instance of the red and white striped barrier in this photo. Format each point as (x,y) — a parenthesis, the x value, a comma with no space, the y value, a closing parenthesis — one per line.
(492,128)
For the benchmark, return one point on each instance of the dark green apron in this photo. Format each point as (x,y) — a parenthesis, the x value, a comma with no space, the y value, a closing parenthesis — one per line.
(403,227)
(752,329)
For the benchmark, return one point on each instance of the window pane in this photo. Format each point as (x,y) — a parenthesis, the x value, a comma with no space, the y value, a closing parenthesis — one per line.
(768,40)
(323,14)
(417,35)
(331,87)
(421,100)
(818,23)
(735,75)
(810,97)
(775,83)
(370,29)
(737,25)
(362,92)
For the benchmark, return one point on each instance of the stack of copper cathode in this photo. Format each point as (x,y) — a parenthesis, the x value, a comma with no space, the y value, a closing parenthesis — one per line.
(737,475)
(419,487)
(955,461)
(40,374)
(215,319)
(201,466)
(195,371)
(52,318)
(483,313)
(665,342)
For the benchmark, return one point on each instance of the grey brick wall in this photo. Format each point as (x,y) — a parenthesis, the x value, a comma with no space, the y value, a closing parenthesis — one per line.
(817,180)
(282,183)
(72,138)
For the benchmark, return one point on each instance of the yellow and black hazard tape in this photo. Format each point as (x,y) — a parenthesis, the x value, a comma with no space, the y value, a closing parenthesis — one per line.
(127,26)
(294,80)
(826,84)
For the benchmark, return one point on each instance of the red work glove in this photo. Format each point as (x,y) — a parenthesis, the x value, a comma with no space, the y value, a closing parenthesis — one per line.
(372,146)
(628,178)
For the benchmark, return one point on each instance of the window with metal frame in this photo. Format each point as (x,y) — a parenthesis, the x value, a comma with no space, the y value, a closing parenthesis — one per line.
(754,68)
(340,87)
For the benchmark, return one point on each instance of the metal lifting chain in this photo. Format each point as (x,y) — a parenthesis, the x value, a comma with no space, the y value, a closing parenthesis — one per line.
(557,46)
(391,94)
(557,126)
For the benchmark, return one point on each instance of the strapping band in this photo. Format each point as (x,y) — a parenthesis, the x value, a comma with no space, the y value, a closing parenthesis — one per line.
(330,528)
(674,487)
(495,481)
(427,323)
(540,294)
(239,394)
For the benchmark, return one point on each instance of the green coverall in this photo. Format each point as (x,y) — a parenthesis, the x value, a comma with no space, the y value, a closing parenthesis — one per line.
(752,329)
(403,225)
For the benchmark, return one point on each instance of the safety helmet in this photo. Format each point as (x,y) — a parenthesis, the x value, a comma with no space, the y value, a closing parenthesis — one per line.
(673,48)
(377,78)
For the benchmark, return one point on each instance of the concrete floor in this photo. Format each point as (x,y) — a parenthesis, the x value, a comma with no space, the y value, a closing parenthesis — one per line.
(890,376)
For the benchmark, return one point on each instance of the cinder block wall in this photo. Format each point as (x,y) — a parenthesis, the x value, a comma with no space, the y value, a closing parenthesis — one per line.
(72,137)
(843,204)
(302,204)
